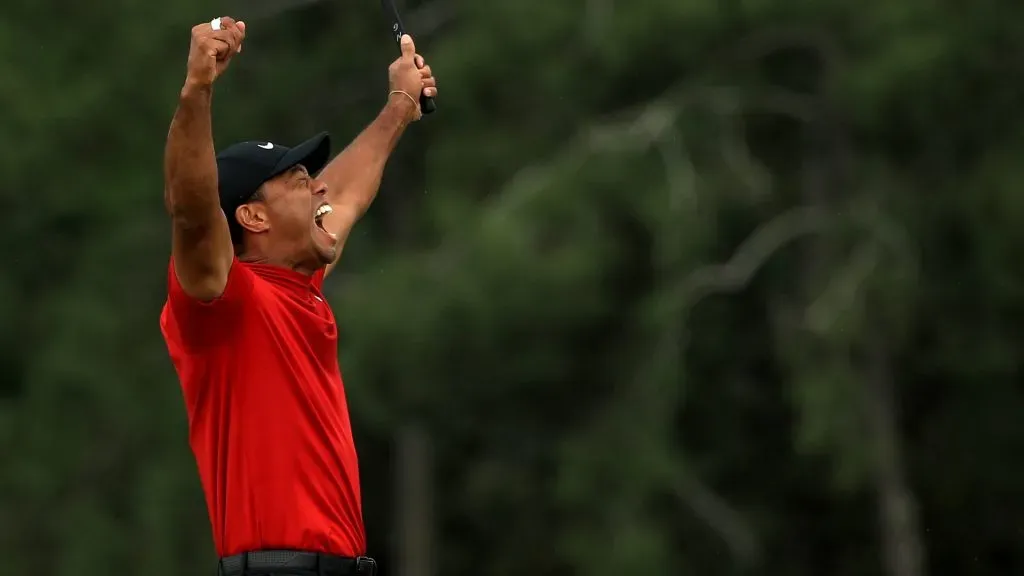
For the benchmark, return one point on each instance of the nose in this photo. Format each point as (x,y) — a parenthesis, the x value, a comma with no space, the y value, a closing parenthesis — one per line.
(319,188)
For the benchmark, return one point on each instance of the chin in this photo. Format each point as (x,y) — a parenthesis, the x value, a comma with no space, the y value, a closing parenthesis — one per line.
(325,254)
(324,248)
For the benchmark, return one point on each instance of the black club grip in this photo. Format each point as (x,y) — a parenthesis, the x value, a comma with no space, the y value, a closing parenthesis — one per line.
(427,105)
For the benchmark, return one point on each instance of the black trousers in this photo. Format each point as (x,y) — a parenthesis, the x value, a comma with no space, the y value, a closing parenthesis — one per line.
(294,563)
(289,573)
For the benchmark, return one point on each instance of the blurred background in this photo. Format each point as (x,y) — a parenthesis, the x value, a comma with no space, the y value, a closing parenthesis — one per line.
(665,287)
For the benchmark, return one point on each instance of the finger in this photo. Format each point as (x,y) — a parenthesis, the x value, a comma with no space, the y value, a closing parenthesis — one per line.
(218,48)
(429,87)
(226,23)
(237,28)
(241,28)
(228,37)
(238,33)
(408,48)
(425,72)
(223,35)
(233,28)
(419,61)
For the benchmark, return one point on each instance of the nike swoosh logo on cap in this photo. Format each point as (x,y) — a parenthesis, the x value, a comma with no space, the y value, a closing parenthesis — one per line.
(267,146)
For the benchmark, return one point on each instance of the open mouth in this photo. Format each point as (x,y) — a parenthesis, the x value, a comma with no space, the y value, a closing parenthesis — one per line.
(318,219)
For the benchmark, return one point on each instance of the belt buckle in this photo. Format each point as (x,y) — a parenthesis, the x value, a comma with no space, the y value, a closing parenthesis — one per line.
(366,566)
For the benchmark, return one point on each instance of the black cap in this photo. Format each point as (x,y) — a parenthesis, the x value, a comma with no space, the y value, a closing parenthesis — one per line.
(242,168)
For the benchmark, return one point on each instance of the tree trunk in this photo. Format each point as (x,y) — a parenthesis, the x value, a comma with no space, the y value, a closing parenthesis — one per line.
(897,506)
(414,502)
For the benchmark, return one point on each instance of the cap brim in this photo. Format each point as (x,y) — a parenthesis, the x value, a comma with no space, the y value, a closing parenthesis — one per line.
(313,154)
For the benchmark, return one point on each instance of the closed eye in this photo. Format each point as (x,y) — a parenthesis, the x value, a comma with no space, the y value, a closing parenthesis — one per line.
(301,176)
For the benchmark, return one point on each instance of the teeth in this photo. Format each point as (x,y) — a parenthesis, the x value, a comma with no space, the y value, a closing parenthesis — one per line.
(323,211)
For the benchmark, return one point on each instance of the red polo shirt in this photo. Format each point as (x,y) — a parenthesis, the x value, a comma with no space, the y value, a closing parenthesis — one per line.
(268,421)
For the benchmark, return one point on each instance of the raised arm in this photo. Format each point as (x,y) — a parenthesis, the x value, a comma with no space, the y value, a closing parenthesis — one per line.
(201,243)
(354,176)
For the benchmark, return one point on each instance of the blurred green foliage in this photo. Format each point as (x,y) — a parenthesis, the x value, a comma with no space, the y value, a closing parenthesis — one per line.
(674,286)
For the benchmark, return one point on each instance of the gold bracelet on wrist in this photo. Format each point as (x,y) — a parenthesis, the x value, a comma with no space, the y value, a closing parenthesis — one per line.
(407,95)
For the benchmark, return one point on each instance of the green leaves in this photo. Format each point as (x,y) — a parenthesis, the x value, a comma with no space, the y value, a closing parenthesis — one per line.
(643,279)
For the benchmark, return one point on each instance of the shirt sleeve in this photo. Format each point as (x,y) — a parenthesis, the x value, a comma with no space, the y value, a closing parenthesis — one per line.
(204,324)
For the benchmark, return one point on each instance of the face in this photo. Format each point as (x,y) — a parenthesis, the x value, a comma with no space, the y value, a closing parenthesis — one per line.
(289,216)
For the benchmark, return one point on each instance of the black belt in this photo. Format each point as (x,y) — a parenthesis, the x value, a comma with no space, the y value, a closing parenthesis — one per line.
(290,560)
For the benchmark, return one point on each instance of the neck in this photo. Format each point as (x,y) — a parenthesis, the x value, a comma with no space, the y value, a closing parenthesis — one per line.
(291,264)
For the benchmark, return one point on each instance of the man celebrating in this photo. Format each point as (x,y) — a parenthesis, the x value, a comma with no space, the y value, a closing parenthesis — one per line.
(255,231)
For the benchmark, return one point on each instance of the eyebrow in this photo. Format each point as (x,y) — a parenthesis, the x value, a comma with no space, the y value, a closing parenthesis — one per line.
(299,171)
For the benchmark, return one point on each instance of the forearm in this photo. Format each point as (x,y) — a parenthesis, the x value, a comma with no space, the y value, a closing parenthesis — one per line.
(354,176)
(190,166)
(200,241)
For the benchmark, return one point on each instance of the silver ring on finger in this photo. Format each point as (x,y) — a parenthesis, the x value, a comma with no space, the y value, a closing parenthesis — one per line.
(215,23)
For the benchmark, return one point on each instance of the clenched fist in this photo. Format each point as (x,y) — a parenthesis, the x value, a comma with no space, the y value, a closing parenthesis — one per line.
(212,50)
(411,75)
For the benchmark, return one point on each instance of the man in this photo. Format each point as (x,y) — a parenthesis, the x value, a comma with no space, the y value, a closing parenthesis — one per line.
(255,231)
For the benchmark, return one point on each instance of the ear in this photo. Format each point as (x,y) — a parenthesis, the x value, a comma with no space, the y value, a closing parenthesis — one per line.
(253,217)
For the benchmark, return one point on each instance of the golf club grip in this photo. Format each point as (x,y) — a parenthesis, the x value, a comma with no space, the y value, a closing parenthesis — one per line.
(427,105)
